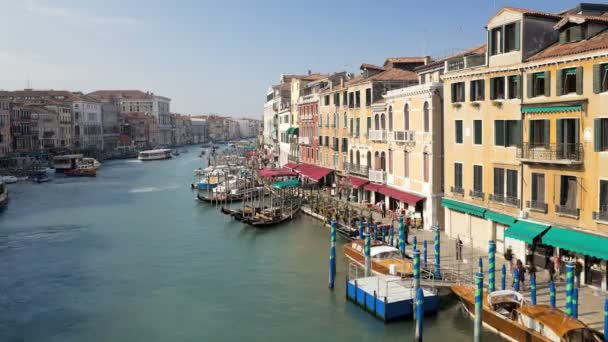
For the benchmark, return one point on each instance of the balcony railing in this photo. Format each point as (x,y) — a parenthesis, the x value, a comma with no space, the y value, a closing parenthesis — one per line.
(457,190)
(402,136)
(567,210)
(602,214)
(477,194)
(377,176)
(537,206)
(498,198)
(362,170)
(551,153)
(304,140)
(293,158)
(377,135)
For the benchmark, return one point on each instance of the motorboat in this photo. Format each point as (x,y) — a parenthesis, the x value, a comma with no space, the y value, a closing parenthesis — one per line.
(158,154)
(40,177)
(92,162)
(382,258)
(10,179)
(66,162)
(83,170)
(511,316)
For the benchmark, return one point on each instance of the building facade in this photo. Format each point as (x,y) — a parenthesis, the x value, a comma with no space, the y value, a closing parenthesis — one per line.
(5,128)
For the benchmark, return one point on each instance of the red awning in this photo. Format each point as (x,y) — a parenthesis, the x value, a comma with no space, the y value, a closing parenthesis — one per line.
(271,173)
(290,166)
(314,172)
(400,195)
(356,182)
(372,187)
(302,167)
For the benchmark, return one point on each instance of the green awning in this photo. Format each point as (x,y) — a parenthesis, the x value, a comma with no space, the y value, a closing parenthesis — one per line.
(525,231)
(577,241)
(463,207)
(500,218)
(570,71)
(551,109)
(295,131)
(286,184)
(288,131)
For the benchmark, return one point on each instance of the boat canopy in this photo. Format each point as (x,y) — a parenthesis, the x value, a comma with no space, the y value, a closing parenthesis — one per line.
(286,184)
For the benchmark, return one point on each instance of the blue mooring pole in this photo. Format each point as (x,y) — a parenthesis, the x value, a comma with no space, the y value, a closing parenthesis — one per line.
(503,280)
(491,266)
(480,265)
(401,235)
(516,279)
(437,255)
(391,235)
(375,231)
(332,255)
(383,230)
(424,254)
(419,314)
(361,227)
(478,305)
(416,275)
(606,320)
(552,294)
(533,288)
(569,287)
(367,250)
(575,303)
(415,244)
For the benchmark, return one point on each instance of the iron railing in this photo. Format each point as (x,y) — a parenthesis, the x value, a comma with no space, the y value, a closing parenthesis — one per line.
(377,135)
(548,153)
(377,176)
(602,214)
(567,210)
(362,170)
(537,206)
(477,194)
(457,190)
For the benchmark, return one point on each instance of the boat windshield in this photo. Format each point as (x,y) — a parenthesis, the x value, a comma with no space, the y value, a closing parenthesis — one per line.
(387,255)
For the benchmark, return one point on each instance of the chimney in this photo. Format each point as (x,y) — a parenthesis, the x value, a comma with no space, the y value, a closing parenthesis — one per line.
(342,82)
(309,72)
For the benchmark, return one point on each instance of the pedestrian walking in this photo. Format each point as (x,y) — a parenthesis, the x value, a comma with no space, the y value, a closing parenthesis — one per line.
(458,248)
(509,258)
(551,269)
(578,269)
(522,276)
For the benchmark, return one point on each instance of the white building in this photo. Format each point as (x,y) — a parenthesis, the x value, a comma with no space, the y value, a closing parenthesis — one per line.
(284,145)
(200,132)
(88,125)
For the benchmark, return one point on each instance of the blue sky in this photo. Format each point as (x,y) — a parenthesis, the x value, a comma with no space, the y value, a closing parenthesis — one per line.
(221,56)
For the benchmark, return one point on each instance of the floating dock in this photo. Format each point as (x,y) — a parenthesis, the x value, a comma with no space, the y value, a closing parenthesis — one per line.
(389,298)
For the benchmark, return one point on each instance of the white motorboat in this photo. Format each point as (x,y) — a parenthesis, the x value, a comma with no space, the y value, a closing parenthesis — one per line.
(91,162)
(10,179)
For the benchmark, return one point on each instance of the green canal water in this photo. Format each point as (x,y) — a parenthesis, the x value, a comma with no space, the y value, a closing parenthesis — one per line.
(131,256)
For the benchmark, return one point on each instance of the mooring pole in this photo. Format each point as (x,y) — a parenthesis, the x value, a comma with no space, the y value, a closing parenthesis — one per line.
(367,250)
(383,233)
(516,279)
(533,288)
(419,314)
(569,287)
(437,255)
(375,231)
(332,255)
(415,243)
(491,266)
(478,305)
(391,235)
(575,302)
(401,235)
(480,265)
(606,320)
(424,254)
(361,227)
(552,294)
(416,272)
(503,280)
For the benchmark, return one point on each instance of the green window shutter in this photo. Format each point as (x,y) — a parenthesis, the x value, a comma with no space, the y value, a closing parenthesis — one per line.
(597,78)
(547,83)
(471,94)
(518,132)
(492,90)
(490,45)
(559,80)
(517,35)
(579,80)
(499,133)
(597,135)
(562,37)
(547,132)
(530,83)
(518,87)
(576,33)
(482,85)
(576,131)
(559,130)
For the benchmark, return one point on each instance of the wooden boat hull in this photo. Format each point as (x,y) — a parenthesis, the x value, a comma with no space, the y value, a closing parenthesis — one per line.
(264,223)
(81,173)
(378,268)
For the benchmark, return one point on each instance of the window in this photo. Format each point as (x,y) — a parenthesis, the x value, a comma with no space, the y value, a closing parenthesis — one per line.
(477,180)
(458,131)
(458,92)
(345,121)
(570,81)
(567,194)
(477,132)
(427,119)
(496,41)
(344,98)
(320,140)
(368,97)
(358,131)
(327,141)
(499,184)
(539,133)
(539,84)
(504,39)
(390,161)
(344,144)
(513,84)
(511,37)
(369,125)
(603,199)
(357,99)
(457,176)
(512,189)
(406,117)
(351,100)
(600,134)
(571,34)
(497,88)
(425,171)
(352,128)
(538,191)
(477,90)
(336,99)
(406,164)
(390,118)
(600,78)
(507,133)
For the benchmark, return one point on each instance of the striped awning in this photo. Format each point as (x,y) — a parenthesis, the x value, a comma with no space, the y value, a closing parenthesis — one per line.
(551,109)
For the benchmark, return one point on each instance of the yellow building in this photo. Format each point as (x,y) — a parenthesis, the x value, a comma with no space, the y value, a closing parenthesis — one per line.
(525,135)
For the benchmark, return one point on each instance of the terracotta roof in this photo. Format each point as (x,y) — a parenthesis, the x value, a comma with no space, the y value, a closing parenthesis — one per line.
(129,94)
(388,75)
(598,42)
(371,67)
(405,60)
(529,12)
(311,77)
(479,49)
(579,19)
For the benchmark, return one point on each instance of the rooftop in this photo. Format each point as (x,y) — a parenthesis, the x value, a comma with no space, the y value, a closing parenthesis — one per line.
(597,42)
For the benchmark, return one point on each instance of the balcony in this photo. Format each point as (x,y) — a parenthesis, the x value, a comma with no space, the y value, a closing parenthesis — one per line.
(304,140)
(551,153)
(377,135)
(477,194)
(456,190)
(362,170)
(564,210)
(498,198)
(293,159)
(377,176)
(538,206)
(601,215)
(402,136)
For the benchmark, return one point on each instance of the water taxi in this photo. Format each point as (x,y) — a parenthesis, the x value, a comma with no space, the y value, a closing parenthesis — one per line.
(159,154)
(82,170)
(507,313)
(66,162)
(40,176)
(383,257)
(92,162)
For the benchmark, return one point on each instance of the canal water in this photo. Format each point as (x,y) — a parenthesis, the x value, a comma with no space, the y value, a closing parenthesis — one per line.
(131,256)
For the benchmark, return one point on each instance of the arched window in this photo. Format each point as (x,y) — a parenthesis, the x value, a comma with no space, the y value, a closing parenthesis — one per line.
(335,120)
(327,120)
(383,161)
(377,160)
(390,161)
(382,122)
(390,118)
(427,119)
(376,122)
(369,160)
(345,121)
(358,158)
(406,117)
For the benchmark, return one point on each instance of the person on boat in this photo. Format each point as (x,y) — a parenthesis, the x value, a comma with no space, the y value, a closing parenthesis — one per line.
(459,244)
(509,258)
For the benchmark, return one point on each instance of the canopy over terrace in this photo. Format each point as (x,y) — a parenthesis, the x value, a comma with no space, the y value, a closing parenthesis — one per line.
(272,173)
